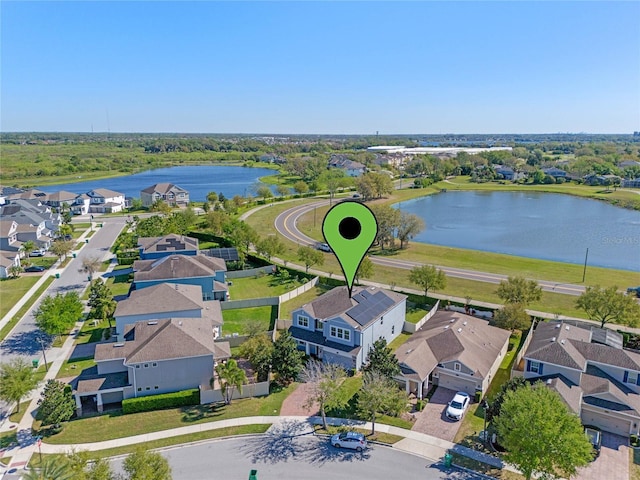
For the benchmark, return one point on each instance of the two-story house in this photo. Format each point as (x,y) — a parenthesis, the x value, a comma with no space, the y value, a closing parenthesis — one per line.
(158,247)
(169,193)
(452,350)
(598,379)
(166,300)
(103,200)
(349,167)
(338,329)
(207,272)
(35,221)
(158,356)
(61,199)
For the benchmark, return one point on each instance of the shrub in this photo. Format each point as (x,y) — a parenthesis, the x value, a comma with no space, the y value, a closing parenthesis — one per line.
(162,401)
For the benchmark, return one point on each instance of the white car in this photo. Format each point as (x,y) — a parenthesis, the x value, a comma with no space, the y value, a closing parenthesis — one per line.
(324,247)
(352,440)
(457,406)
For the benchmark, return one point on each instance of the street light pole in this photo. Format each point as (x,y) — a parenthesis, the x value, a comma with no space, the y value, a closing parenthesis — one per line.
(44,354)
(584,272)
(485,406)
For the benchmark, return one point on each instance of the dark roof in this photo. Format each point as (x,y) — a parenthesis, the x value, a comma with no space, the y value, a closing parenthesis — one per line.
(96,383)
(168,243)
(227,254)
(608,355)
(117,273)
(317,338)
(177,266)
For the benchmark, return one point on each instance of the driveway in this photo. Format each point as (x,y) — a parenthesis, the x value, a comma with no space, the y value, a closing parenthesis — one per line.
(432,420)
(613,461)
(294,404)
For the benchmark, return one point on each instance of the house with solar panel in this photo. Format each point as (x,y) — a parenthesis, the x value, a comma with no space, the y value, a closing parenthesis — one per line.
(158,247)
(338,329)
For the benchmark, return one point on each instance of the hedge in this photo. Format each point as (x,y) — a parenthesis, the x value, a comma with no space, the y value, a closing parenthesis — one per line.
(162,401)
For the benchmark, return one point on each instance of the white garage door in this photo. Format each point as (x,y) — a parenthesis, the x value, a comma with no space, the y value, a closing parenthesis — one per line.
(606,423)
(457,384)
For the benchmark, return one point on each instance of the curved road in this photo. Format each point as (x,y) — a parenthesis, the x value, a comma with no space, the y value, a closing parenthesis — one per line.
(286,225)
(305,457)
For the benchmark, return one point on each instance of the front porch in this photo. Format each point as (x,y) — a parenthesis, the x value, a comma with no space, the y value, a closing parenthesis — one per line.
(97,393)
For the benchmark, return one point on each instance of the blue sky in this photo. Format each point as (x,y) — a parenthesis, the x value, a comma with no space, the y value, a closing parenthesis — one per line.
(325,67)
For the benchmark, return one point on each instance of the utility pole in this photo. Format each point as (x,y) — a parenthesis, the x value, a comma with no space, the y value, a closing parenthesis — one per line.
(584,272)
(44,354)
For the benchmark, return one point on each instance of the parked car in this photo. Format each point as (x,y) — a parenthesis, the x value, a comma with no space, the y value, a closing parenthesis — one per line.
(634,291)
(37,253)
(35,268)
(324,247)
(457,406)
(595,437)
(352,440)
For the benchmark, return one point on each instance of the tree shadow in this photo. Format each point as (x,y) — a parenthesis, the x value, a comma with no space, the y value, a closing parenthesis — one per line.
(26,343)
(201,412)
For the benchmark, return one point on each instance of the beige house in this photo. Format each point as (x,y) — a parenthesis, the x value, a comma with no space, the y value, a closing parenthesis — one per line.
(169,193)
(452,350)
(597,378)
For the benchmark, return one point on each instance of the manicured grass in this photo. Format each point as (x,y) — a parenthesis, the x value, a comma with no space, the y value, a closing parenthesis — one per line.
(13,289)
(504,372)
(5,461)
(477,466)
(19,411)
(235,320)
(399,340)
(89,332)
(260,286)
(471,425)
(287,308)
(119,285)
(23,310)
(73,368)
(116,425)
(387,438)
(7,438)
(45,262)
(415,313)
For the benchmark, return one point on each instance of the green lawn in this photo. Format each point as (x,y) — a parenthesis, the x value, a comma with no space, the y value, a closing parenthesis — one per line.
(260,286)
(13,289)
(504,372)
(19,411)
(287,308)
(399,340)
(89,332)
(116,425)
(7,304)
(7,438)
(119,285)
(73,368)
(415,313)
(235,320)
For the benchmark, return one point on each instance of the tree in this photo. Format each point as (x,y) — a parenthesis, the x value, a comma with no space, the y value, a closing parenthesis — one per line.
(381,360)
(409,226)
(241,234)
(15,271)
(494,406)
(230,376)
(365,269)
(264,192)
(310,257)
(609,305)
(428,277)
(16,380)
(258,350)
(57,315)
(512,317)
(324,380)
(56,405)
(559,444)
(145,465)
(161,207)
(61,248)
(100,470)
(388,219)
(51,469)
(287,359)
(300,187)
(64,230)
(90,265)
(519,290)
(217,220)
(380,395)
(283,190)
(333,179)
(270,246)
(212,197)
(28,247)
(101,301)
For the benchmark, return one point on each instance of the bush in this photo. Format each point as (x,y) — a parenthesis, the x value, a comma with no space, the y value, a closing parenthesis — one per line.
(162,401)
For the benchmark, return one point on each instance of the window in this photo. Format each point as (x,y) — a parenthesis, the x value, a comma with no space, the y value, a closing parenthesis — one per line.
(341,333)
(303,321)
(147,388)
(456,367)
(393,329)
(154,364)
(146,365)
(137,366)
(139,389)
(535,367)
(631,377)
(156,387)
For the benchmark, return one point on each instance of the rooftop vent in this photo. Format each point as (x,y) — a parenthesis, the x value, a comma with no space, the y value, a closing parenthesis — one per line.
(464,323)
(180,323)
(409,351)
(558,325)
(562,342)
(459,330)
(452,320)
(446,327)
(118,345)
(567,327)
(549,381)
(553,339)
(152,323)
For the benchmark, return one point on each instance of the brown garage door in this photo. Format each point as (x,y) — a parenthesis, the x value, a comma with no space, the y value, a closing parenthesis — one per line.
(606,423)
(457,384)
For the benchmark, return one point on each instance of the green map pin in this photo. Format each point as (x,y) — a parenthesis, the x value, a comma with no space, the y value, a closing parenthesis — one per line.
(350,229)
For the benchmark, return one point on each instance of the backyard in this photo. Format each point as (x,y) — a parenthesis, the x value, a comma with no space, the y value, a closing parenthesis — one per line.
(235,321)
(263,286)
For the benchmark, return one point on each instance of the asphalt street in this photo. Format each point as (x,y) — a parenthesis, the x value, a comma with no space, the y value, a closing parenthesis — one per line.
(304,457)
(286,225)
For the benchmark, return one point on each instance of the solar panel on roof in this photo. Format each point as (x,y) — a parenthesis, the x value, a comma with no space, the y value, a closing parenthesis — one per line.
(228,254)
(369,307)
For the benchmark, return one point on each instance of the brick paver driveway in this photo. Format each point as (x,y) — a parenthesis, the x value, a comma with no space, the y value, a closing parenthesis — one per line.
(613,462)
(432,419)
(294,403)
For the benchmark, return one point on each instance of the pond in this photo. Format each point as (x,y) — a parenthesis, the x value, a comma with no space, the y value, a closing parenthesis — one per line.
(530,224)
(197,180)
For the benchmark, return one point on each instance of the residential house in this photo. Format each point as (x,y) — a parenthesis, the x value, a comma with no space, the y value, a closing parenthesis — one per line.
(166,300)
(350,168)
(207,272)
(30,194)
(452,350)
(594,179)
(81,204)
(9,236)
(158,247)
(338,329)
(159,356)
(103,200)
(35,222)
(8,260)
(555,173)
(169,193)
(628,163)
(508,173)
(272,158)
(631,183)
(597,378)
(59,199)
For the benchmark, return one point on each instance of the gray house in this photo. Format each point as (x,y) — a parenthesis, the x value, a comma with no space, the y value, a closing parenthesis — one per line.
(156,357)
(597,378)
(452,350)
(169,193)
(338,329)
(207,272)
(158,247)
(167,300)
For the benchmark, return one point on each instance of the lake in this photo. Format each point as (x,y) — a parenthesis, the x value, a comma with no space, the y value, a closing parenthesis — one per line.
(197,180)
(529,224)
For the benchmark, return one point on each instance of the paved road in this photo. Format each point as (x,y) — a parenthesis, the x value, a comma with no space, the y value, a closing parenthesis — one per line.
(24,340)
(304,457)
(286,225)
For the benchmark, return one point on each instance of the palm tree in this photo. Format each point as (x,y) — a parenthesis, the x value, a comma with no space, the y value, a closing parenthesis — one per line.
(28,247)
(231,376)
(90,265)
(15,271)
(51,469)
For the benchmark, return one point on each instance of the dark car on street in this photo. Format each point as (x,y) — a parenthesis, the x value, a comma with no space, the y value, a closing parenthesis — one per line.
(35,268)
(634,291)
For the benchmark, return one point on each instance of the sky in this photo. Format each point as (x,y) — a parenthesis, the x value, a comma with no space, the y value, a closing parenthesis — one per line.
(320,67)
